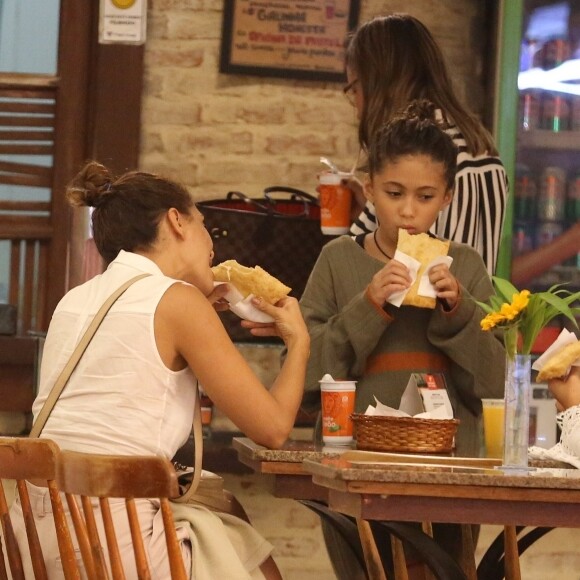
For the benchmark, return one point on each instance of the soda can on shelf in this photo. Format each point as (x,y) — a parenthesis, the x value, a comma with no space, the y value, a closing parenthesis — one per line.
(525,194)
(547,232)
(555,112)
(530,110)
(552,195)
(573,199)
(523,237)
(555,52)
(575,114)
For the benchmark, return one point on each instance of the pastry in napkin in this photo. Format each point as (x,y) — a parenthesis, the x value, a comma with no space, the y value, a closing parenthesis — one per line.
(560,362)
(255,281)
(424,249)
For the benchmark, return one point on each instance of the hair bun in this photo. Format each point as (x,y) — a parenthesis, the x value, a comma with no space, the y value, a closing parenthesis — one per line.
(421,110)
(91,186)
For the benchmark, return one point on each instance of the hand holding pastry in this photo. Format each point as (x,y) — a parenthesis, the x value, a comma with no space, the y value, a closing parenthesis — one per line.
(566,392)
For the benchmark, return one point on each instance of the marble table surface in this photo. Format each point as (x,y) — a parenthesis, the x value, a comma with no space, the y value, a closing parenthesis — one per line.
(350,465)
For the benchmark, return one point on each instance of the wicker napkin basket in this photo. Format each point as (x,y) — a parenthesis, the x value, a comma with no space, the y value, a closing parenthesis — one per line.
(404,434)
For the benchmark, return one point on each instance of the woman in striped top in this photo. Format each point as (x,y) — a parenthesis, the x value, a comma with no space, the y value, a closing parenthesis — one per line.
(393,60)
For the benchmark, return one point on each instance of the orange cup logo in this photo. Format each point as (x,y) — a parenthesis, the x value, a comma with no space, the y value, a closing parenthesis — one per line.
(337,408)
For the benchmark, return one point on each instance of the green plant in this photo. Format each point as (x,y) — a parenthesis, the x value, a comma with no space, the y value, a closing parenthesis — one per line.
(522,314)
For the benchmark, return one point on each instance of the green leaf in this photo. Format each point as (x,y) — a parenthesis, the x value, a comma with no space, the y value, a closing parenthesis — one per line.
(504,288)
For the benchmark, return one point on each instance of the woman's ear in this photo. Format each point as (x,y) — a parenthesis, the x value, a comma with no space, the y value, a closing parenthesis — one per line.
(174,220)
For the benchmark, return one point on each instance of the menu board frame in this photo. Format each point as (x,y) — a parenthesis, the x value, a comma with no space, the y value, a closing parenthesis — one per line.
(315,63)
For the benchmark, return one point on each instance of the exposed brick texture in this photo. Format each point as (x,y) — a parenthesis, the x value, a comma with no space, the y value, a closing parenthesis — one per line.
(218,132)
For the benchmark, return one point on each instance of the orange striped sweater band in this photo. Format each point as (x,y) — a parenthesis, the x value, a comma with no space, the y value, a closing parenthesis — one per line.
(411,361)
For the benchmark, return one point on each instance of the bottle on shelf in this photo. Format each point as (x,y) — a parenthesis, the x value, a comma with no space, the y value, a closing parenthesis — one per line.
(551,204)
(530,99)
(556,106)
(573,209)
(556,114)
(525,194)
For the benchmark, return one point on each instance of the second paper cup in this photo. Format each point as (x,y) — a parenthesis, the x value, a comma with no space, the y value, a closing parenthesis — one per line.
(337,407)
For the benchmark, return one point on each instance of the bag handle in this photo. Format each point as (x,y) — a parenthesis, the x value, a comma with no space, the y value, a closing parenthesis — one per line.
(269,207)
(250,201)
(78,352)
(292,190)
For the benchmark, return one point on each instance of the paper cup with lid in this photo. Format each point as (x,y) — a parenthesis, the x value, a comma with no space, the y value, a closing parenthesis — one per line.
(335,201)
(337,397)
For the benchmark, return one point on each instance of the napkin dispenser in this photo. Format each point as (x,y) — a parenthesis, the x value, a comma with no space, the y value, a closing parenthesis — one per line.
(426,393)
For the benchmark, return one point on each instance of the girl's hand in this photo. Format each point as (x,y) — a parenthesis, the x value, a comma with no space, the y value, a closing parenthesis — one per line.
(446,285)
(567,391)
(393,277)
(288,322)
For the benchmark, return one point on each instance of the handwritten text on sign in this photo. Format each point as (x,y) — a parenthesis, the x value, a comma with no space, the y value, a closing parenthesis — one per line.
(304,35)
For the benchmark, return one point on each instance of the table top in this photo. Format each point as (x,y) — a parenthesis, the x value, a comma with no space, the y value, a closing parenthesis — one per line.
(350,465)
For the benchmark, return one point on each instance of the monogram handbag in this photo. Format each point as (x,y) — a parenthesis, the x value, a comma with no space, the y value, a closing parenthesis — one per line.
(279,232)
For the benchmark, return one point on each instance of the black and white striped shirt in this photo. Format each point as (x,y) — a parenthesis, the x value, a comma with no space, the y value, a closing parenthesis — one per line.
(476,214)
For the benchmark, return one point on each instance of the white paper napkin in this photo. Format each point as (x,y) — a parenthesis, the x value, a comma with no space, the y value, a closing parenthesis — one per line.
(386,411)
(397,298)
(564,339)
(243,307)
(425,287)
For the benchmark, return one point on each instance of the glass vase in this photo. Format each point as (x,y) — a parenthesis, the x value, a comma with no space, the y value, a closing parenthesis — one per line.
(517,411)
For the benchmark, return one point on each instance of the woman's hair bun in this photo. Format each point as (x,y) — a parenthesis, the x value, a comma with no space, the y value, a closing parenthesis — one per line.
(91,186)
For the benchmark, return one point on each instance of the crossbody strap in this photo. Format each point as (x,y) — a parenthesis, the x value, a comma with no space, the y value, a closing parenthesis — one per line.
(197,452)
(70,366)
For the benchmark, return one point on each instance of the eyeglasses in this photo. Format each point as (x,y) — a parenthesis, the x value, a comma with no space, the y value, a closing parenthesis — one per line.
(349,91)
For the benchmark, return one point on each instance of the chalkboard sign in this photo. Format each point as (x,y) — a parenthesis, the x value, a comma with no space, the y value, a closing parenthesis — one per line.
(302,39)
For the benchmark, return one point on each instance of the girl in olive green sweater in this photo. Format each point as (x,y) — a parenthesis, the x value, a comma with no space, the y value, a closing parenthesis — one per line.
(357,334)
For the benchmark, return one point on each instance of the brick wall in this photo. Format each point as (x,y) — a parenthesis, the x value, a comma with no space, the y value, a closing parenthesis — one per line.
(216,132)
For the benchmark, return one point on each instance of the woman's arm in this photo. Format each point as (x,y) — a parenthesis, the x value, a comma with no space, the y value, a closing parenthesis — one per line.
(187,325)
(528,266)
(476,215)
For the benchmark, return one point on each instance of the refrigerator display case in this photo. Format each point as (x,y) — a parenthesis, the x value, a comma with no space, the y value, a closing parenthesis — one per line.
(537,130)
(540,46)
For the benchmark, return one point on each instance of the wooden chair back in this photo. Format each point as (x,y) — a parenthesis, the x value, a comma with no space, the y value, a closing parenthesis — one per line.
(110,476)
(24,459)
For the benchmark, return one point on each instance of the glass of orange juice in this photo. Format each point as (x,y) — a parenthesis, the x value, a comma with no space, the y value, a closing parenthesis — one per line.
(493,426)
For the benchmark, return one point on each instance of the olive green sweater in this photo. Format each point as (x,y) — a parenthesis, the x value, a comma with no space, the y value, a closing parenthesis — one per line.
(354,338)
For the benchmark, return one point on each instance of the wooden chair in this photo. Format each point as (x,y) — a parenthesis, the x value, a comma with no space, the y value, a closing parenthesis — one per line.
(111,476)
(36,459)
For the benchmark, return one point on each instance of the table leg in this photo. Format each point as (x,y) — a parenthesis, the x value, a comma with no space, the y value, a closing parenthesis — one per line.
(373,562)
(511,554)
(467,562)
(427,528)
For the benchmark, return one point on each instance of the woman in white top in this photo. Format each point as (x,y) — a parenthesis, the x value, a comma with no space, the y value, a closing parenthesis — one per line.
(133,390)
(393,60)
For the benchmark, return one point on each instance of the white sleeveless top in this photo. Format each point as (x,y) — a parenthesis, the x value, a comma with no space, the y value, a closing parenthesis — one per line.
(121,398)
